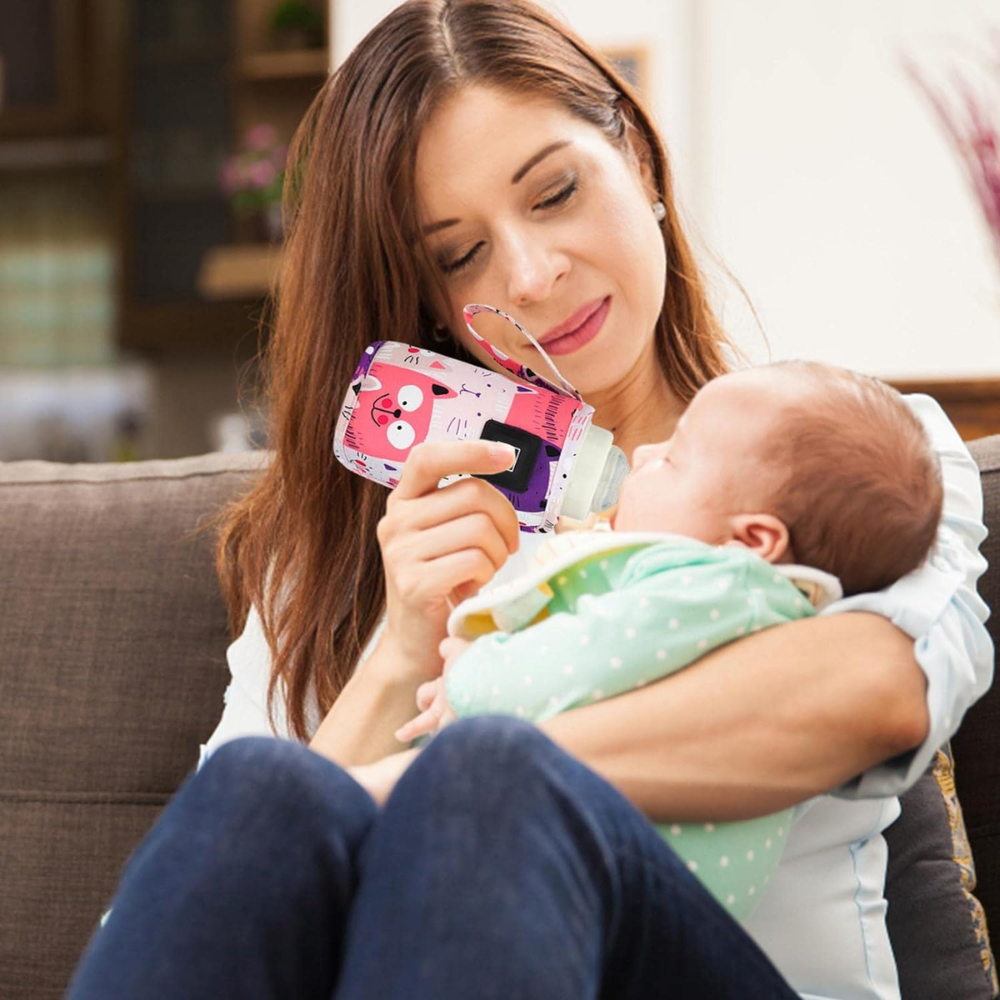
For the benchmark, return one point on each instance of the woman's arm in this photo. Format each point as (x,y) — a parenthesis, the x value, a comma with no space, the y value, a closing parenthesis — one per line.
(436,544)
(376,701)
(759,725)
(939,608)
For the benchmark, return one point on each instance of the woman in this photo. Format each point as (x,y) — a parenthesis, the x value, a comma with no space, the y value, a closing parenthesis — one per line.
(475,150)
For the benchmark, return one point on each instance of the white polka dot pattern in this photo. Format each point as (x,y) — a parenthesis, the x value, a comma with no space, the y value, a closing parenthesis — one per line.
(669,605)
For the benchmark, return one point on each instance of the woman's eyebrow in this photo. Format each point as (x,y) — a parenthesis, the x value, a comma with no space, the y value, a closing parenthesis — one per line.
(517,178)
(538,157)
(443,224)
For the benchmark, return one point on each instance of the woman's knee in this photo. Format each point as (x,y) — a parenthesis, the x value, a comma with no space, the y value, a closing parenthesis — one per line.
(503,769)
(266,830)
(497,786)
(253,776)
(487,742)
(246,765)
(488,764)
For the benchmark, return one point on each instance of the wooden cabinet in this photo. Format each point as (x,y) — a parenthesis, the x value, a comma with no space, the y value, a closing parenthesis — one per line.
(41,67)
(198,75)
(273,86)
(972,405)
(176,129)
(152,96)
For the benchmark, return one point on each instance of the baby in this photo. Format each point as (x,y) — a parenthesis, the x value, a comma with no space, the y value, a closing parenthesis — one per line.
(782,488)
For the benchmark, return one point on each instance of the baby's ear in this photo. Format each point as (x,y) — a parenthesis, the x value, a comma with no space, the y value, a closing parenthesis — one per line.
(764,534)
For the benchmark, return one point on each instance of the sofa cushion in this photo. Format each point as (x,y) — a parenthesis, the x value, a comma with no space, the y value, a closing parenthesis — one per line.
(976,746)
(105,705)
(61,855)
(112,654)
(943,865)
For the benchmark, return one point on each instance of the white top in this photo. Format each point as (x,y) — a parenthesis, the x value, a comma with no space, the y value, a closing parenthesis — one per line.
(822,918)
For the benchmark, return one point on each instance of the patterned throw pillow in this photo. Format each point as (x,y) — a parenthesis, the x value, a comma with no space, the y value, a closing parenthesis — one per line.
(943,770)
(937,925)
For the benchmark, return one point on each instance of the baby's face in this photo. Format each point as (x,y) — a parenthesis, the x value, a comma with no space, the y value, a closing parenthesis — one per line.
(710,470)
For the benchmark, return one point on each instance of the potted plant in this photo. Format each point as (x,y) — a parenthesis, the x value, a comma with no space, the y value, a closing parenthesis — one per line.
(252,178)
(296,24)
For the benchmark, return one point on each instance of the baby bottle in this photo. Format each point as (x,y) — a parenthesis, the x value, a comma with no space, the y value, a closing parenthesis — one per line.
(401,395)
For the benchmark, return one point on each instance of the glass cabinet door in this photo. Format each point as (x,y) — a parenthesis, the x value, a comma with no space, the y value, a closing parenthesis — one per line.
(40,66)
(178,135)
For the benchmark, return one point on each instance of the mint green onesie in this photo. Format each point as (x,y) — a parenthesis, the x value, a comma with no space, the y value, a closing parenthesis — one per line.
(624,614)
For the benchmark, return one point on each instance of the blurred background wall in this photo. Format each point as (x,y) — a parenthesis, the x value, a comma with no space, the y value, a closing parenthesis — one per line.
(141,143)
(829,189)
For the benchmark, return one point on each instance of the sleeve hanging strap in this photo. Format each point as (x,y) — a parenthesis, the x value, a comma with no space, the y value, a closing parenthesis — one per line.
(565,388)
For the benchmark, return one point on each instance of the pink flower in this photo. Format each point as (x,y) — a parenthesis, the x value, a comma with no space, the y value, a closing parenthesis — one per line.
(260,137)
(256,167)
(263,174)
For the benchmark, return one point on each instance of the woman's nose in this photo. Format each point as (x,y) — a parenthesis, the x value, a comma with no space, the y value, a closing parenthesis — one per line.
(533,269)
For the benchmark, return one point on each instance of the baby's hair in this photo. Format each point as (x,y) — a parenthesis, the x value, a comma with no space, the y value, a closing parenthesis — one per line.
(863,496)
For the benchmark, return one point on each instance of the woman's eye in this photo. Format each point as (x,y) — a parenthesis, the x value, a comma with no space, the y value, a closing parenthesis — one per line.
(457,265)
(561,196)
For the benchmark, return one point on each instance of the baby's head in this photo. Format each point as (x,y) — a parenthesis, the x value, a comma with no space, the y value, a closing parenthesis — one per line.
(801,462)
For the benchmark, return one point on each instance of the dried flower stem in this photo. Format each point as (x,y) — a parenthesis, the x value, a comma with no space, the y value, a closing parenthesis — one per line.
(970,117)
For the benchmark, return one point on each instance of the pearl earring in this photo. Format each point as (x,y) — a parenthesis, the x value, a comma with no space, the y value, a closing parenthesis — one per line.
(659,211)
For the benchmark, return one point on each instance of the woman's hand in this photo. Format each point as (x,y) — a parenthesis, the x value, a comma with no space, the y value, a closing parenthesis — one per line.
(438,545)
(441,545)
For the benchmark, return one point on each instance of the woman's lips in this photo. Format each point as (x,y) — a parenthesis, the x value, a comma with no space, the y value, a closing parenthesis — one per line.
(583,334)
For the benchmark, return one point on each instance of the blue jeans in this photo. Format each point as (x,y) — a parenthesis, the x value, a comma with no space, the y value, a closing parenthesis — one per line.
(500,867)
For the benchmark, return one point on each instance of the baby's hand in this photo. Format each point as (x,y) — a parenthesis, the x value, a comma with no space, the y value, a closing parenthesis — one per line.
(435,712)
(432,702)
(451,648)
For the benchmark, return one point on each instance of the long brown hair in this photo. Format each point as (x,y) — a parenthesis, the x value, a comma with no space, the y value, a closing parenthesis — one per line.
(301,545)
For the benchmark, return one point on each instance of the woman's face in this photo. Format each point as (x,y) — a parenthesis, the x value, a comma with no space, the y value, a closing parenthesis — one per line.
(531,209)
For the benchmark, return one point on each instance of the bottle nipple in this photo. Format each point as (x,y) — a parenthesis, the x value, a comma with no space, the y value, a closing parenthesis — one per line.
(597,475)
(609,484)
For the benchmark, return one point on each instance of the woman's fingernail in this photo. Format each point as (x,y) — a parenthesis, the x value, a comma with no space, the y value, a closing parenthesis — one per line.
(503,451)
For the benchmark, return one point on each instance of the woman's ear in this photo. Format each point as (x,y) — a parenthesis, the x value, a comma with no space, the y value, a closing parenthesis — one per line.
(641,156)
(644,160)
(764,534)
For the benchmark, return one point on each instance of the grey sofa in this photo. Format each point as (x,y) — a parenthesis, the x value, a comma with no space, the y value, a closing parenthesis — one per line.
(112,670)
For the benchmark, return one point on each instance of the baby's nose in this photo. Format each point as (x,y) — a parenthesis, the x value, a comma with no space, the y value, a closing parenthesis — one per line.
(641,455)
